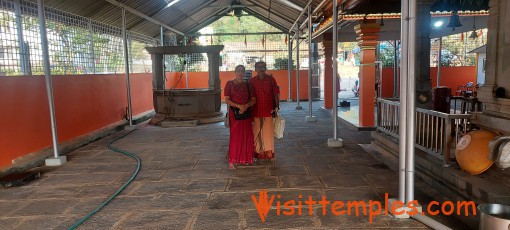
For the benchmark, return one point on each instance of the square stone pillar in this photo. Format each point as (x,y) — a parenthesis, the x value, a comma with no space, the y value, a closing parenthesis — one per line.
(328,70)
(367,40)
(214,77)
(422,49)
(214,71)
(158,76)
(158,79)
(498,55)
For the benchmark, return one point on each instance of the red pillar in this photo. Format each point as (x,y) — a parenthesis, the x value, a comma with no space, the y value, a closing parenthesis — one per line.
(367,41)
(328,71)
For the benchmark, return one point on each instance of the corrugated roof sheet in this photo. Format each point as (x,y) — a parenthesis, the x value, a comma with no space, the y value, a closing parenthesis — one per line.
(187,16)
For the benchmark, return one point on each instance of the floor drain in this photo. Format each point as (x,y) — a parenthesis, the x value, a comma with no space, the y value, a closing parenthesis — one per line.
(19,179)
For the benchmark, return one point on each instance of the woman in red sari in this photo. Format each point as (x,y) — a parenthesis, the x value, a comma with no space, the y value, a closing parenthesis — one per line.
(238,95)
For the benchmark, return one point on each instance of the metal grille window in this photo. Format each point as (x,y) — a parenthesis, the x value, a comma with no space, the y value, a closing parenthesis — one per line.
(456,47)
(108,49)
(241,50)
(140,59)
(386,54)
(77,45)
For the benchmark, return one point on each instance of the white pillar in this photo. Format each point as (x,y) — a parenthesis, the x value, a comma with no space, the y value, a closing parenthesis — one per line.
(335,141)
(126,65)
(298,107)
(56,160)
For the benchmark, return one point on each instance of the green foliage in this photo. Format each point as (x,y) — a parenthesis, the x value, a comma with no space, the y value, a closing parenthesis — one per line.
(244,24)
(387,56)
(282,63)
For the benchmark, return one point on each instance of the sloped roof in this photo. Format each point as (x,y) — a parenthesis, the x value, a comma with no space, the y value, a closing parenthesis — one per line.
(186,16)
(481,49)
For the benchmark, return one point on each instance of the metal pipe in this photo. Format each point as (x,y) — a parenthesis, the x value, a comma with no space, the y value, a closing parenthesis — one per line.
(126,63)
(395,70)
(430,222)
(186,63)
(139,14)
(411,95)
(310,61)
(226,34)
(305,23)
(91,47)
(318,7)
(297,70)
(291,4)
(335,69)
(289,67)
(21,44)
(439,55)
(297,19)
(47,75)
(265,47)
(162,36)
(162,43)
(403,101)
(310,14)
(130,48)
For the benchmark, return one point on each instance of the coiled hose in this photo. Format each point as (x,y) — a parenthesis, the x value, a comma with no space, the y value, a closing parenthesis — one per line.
(138,166)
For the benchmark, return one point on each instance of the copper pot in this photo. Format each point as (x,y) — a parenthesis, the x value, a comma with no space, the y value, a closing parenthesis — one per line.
(473,150)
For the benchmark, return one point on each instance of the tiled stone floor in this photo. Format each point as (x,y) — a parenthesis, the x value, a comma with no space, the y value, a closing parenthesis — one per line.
(184,182)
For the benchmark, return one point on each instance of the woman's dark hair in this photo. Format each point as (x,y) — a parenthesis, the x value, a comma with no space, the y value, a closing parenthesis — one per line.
(239,66)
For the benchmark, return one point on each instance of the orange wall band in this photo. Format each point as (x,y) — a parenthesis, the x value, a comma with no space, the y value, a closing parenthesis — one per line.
(451,77)
(200,80)
(85,103)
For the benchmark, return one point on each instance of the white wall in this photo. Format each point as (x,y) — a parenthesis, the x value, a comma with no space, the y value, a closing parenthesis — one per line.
(480,75)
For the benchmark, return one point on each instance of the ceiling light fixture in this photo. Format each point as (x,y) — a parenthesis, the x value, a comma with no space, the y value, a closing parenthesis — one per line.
(438,24)
(171,3)
(291,4)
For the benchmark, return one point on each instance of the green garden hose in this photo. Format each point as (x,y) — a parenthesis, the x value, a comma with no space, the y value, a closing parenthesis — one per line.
(138,166)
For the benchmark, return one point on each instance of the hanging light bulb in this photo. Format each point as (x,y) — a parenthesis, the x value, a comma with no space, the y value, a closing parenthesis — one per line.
(454,20)
(474,35)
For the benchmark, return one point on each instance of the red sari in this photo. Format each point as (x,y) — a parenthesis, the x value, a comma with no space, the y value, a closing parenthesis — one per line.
(241,147)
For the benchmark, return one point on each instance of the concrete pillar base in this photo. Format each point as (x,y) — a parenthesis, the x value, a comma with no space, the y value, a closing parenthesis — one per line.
(130,127)
(61,160)
(310,119)
(402,211)
(299,107)
(289,100)
(335,143)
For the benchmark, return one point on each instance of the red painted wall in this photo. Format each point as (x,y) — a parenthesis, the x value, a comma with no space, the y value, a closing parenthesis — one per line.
(450,77)
(83,103)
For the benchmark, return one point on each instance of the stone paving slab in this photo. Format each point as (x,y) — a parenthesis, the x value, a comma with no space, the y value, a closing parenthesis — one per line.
(185,183)
(156,220)
(220,219)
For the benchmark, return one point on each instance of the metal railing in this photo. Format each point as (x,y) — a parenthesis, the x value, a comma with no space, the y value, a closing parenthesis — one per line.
(437,133)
